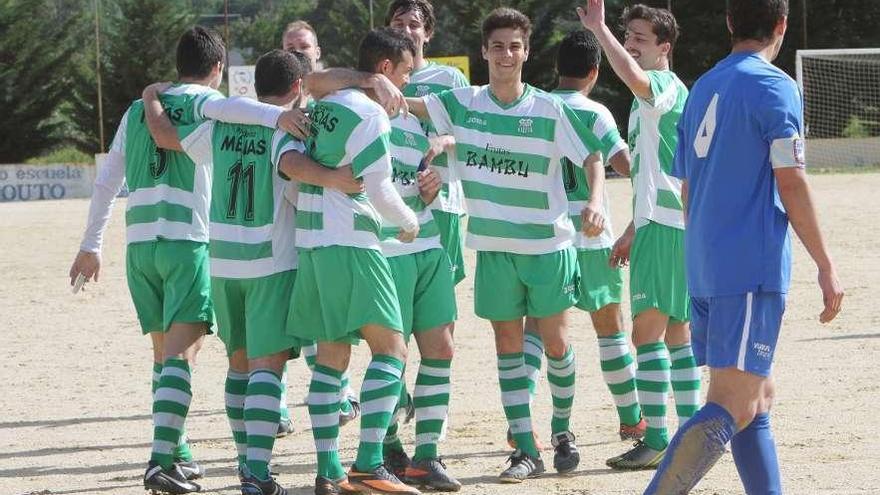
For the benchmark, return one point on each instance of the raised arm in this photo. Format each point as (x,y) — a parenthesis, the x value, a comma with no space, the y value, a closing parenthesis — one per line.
(161,128)
(418,108)
(301,168)
(798,200)
(321,83)
(592,17)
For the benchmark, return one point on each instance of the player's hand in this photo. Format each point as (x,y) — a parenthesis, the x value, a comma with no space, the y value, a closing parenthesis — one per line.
(437,146)
(389,95)
(620,252)
(429,185)
(296,123)
(89,264)
(343,180)
(592,14)
(408,236)
(832,294)
(156,88)
(592,221)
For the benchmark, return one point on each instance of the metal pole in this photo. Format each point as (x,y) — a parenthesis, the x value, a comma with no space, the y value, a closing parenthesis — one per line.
(371,14)
(226,26)
(98,74)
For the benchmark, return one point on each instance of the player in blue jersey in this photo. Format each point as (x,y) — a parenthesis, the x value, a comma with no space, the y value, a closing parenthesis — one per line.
(741,155)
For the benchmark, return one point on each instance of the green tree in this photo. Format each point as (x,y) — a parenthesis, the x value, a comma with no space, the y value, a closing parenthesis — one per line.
(139,38)
(35,53)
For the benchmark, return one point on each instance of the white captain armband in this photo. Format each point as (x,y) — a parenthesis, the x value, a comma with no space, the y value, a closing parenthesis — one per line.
(788,152)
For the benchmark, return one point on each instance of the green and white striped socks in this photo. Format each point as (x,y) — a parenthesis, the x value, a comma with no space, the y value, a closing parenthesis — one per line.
(619,373)
(652,382)
(561,375)
(170,406)
(685,382)
(324,414)
(533,352)
(515,398)
(261,416)
(236,390)
(310,353)
(431,400)
(182,451)
(379,395)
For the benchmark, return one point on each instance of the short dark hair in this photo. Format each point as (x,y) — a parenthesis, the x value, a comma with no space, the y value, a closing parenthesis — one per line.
(755,19)
(383,43)
(276,72)
(305,64)
(663,23)
(424,7)
(198,51)
(578,54)
(505,17)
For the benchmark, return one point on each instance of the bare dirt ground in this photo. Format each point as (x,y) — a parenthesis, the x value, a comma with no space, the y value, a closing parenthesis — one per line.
(74,414)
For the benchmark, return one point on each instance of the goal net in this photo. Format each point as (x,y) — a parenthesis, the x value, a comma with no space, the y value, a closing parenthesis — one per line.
(841,89)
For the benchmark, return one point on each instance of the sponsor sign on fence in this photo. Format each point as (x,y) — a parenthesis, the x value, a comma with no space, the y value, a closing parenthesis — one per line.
(20,182)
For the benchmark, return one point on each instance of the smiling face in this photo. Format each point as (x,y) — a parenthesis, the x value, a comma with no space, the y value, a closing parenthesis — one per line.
(641,43)
(398,74)
(412,24)
(506,51)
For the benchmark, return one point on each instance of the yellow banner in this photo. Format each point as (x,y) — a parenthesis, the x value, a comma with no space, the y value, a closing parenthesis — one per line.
(461,62)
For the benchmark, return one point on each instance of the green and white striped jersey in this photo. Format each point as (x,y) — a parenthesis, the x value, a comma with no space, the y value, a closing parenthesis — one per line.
(653,137)
(432,79)
(508,158)
(408,146)
(252,223)
(168,195)
(347,128)
(595,116)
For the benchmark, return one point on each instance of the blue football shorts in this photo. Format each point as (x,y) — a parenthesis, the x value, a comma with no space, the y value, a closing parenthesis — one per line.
(738,331)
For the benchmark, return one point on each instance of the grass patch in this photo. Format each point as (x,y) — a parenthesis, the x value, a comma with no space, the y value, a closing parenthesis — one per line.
(62,155)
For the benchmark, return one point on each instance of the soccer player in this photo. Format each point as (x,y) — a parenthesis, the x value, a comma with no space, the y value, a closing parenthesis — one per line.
(166,231)
(345,291)
(424,281)
(301,37)
(510,138)
(416,19)
(658,292)
(252,252)
(741,156)
(577,62)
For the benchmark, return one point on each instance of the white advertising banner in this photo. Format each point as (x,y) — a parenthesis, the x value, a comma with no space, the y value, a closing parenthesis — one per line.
(19,182)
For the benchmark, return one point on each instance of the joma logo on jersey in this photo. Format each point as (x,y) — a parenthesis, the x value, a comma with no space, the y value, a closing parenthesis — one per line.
(474,120)
(525,126)
(422,90)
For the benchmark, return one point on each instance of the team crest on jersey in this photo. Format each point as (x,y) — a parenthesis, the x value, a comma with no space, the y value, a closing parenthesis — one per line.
(525,126)
(799,155)
(158,164)
(422,90)
(410,139)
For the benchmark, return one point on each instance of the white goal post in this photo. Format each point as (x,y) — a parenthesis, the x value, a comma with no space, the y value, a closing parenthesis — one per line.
(841,89)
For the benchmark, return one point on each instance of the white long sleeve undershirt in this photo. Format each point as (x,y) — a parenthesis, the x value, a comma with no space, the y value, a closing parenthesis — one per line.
(387,201)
